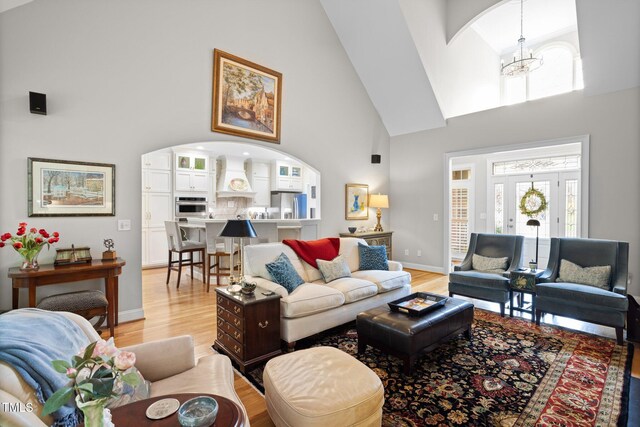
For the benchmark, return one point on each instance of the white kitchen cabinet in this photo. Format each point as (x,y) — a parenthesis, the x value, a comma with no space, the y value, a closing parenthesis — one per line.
(287,176)
(157,181)
(191,181)
(189,161)
(262,188)
(157,248)
(156,209)
(258,174)
(157,160)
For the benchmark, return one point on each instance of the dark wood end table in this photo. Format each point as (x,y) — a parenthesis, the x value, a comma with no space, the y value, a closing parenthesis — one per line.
(248,326)
(523,282)
(133,414)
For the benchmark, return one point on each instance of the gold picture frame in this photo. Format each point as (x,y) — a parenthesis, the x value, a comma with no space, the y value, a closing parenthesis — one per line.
(247,98)
(356,201)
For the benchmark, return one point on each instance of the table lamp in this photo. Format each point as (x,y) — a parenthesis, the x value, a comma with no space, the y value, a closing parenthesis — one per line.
(535,223)
(238,228)
(379,201)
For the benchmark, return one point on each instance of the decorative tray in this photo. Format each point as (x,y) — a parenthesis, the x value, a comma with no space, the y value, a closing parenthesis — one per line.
(418,304)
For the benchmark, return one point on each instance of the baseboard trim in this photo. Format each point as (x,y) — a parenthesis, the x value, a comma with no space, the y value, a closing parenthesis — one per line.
(423,267)
(130,315)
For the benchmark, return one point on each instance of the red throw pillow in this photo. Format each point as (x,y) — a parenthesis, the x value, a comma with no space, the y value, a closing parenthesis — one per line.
(311,250)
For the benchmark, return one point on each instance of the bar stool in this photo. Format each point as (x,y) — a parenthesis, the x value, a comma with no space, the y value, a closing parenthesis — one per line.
(178,245)
(218,248)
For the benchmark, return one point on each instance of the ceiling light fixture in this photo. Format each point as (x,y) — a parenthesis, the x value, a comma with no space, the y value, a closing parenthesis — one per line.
(521,64)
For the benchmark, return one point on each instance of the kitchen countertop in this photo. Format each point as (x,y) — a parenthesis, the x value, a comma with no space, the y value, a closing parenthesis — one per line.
(194,221)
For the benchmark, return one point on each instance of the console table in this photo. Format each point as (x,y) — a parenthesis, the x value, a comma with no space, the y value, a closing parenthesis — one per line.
(50,274)
(375,238)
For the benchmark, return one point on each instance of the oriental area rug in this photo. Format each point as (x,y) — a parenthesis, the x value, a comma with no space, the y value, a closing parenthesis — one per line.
(514,373)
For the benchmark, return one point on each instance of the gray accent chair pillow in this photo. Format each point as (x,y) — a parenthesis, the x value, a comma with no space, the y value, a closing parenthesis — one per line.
(489,264)
(597,276)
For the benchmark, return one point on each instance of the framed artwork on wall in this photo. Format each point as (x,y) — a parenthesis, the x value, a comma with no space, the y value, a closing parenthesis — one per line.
(356,201)
(68,188)
(246,98)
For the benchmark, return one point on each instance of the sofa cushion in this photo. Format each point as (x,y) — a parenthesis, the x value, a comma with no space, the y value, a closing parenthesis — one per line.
(597,276)
(480,279)
(489,264)
(334,269)
(574,293)
(384,280)
(354,289)
(310,298)
(373,257)
(349,249)
(256,257)
(283,273)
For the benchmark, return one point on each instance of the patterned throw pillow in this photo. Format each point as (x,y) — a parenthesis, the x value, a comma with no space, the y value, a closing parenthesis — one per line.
(283,273)
(597,276)
(334,269)
(489,264)
(373,257)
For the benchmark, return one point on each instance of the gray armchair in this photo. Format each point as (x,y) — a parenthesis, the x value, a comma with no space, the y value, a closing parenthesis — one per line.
(606,307)
(482,285)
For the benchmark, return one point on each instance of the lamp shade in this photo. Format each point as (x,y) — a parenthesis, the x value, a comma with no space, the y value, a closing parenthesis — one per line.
(238,228)
(533,223)
(378,201)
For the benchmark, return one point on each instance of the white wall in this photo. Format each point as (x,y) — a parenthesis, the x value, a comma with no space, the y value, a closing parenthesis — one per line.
(611,120)
(124,78)
(460,88)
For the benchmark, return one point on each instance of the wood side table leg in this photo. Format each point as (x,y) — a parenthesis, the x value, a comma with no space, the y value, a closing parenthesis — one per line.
(510,303)
(15,297)
(109,288)
(116,299)
(32,295)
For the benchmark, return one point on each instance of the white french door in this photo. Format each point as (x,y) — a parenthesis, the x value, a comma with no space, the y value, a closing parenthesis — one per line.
(560,219)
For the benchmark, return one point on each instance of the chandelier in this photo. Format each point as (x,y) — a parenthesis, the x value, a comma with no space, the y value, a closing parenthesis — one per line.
(521,63)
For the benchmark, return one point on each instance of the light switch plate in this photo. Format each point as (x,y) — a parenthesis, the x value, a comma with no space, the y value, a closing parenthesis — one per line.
(124,225)
(435,217)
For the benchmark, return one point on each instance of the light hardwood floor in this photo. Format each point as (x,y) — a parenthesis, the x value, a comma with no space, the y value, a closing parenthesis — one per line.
(190,310)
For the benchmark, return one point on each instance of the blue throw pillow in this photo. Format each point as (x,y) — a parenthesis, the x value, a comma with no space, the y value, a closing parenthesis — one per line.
(373,257)
(283,273)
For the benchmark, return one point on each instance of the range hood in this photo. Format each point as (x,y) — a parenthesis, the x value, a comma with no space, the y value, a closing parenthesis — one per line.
(233,180)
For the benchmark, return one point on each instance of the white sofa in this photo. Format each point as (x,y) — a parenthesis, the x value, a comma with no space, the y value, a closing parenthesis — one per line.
(315,305)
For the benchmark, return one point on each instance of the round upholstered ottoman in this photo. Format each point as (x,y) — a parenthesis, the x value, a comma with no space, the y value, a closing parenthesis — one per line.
(322,386)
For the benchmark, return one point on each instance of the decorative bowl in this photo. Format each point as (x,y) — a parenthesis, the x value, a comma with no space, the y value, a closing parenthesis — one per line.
(248,288)
(200,411)
(352,229)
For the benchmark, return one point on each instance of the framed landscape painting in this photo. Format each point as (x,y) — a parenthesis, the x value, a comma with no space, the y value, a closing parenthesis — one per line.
(356,201)
(246,98)
(67,188)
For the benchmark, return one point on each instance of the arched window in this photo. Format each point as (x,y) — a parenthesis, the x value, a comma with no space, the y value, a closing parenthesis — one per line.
(561,72)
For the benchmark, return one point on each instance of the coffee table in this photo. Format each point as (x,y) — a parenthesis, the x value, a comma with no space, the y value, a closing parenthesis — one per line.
(407,337)
(133,414)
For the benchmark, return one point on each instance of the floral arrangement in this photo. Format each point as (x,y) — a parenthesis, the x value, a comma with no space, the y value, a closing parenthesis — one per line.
(95,373)
(29,244)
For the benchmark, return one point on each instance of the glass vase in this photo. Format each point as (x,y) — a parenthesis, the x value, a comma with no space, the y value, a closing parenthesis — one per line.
(95,414)
(30,258)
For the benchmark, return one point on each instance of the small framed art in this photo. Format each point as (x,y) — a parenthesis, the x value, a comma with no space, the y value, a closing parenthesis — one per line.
(68,188)
(356,201)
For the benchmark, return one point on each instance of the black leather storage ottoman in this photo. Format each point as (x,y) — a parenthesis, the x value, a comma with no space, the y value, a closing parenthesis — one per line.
(406,337)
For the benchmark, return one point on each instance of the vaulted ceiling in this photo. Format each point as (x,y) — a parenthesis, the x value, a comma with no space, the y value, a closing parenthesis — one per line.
(422,61)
